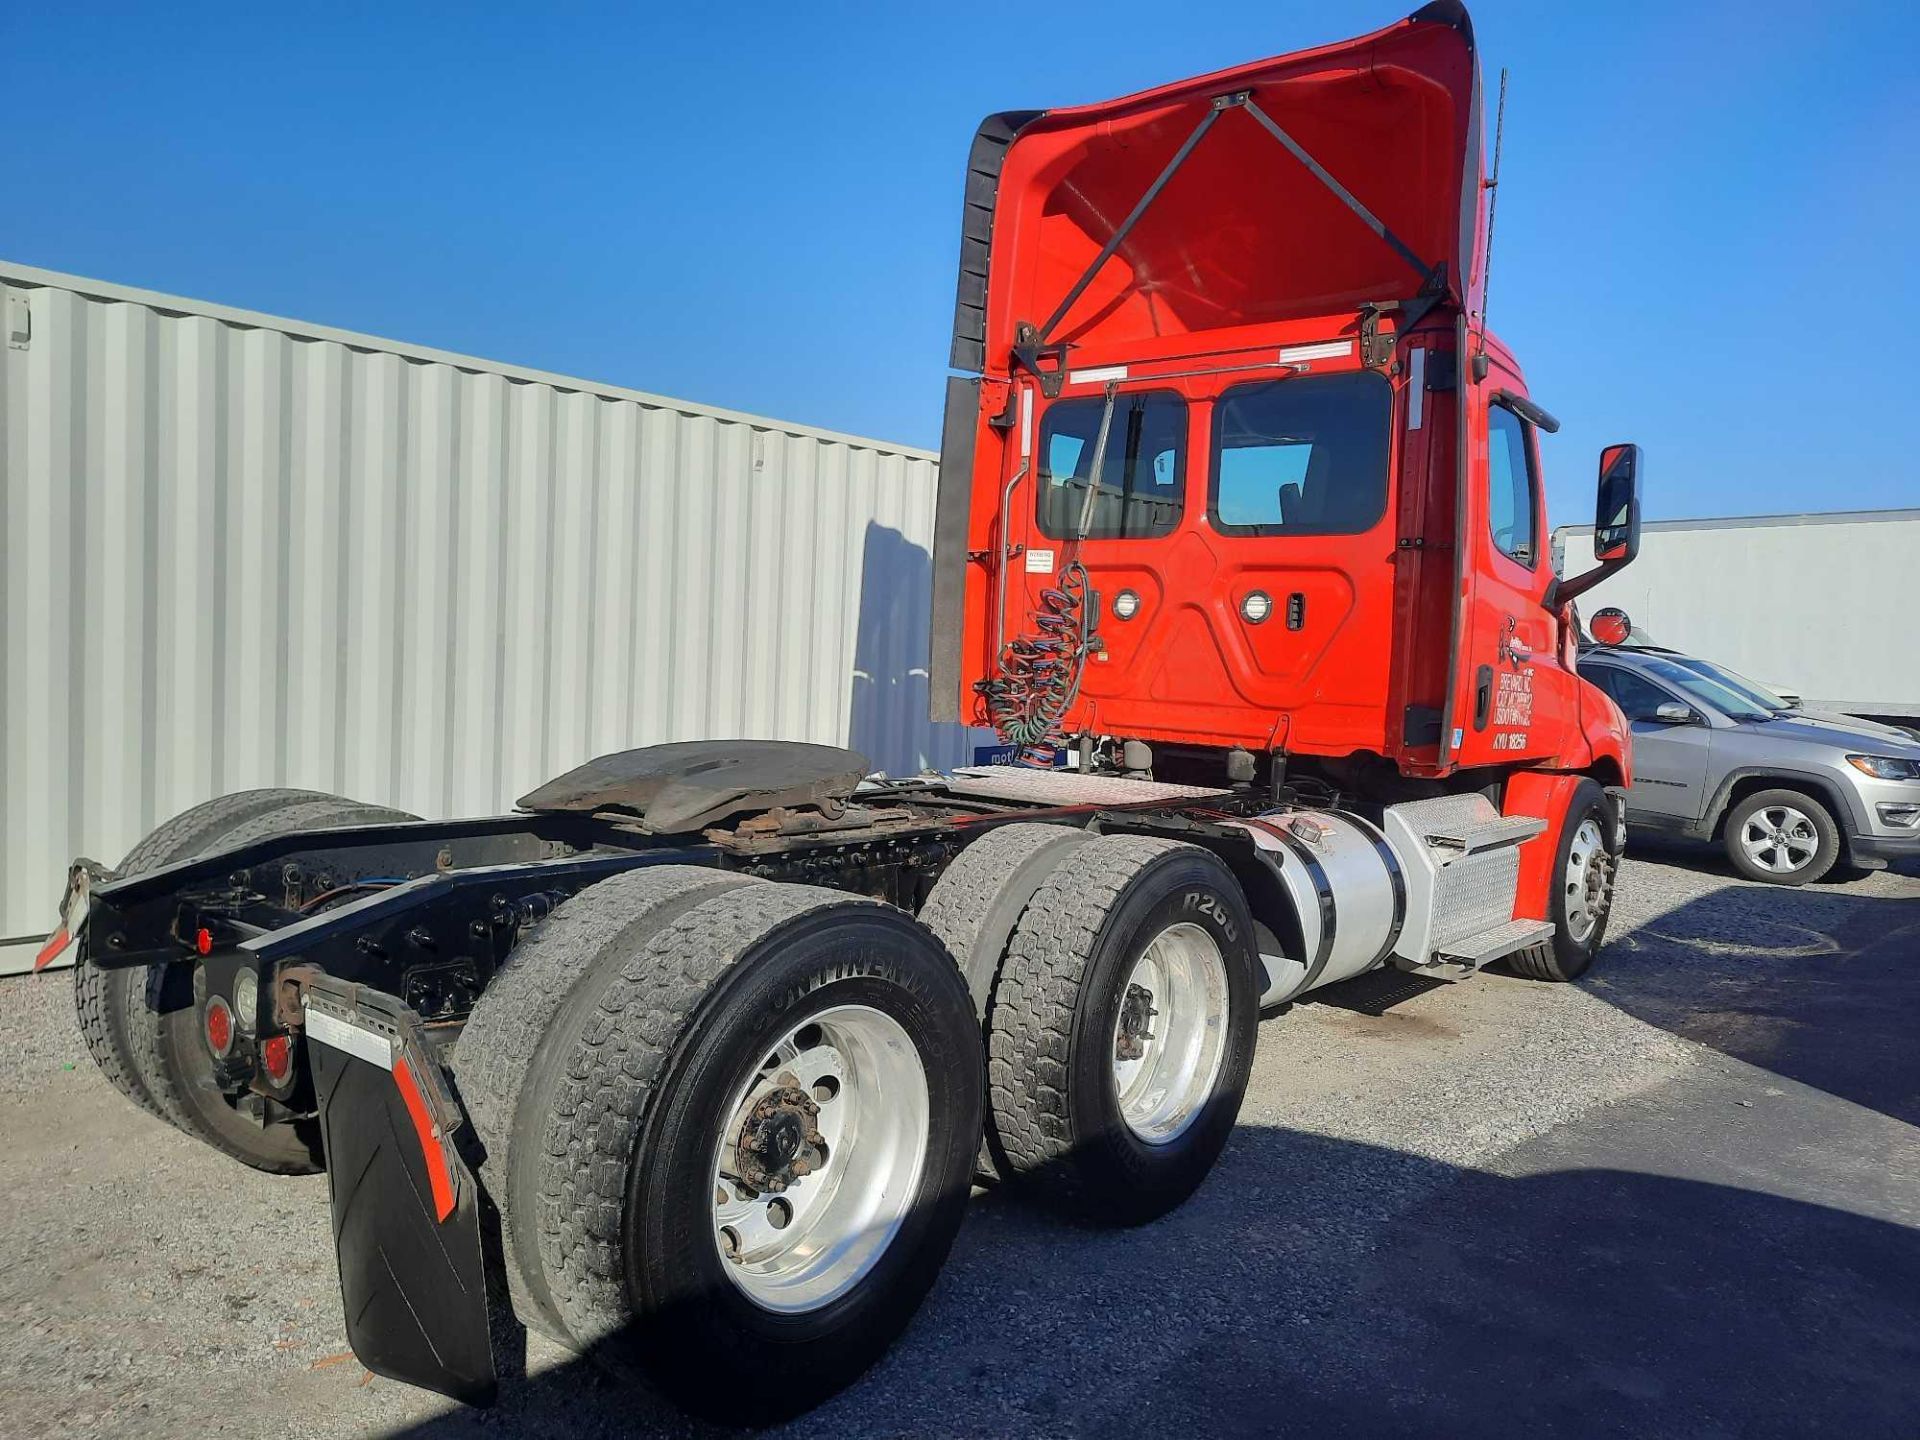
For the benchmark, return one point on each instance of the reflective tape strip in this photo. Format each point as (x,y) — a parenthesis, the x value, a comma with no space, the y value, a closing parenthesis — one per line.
(50,951)
(1416,387)
(367,1045)
(439,1175)
(1097,375)
(1324,350)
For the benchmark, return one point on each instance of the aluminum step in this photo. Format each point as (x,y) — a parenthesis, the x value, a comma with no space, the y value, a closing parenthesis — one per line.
(1502,830)
(1462,861)
(1492,944)
(1456,825)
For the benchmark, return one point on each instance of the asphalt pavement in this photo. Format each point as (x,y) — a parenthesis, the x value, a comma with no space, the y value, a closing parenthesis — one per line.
(1681,1198)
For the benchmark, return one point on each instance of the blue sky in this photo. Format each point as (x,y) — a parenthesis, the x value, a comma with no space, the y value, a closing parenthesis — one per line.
(1709,237)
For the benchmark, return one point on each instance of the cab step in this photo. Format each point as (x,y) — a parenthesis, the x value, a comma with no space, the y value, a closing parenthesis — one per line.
(1496,943)
(1458,825)
(1462,868)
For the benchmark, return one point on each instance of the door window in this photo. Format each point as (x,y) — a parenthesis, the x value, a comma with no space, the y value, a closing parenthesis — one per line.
(1511,485)
(1638,699)
(1142,472)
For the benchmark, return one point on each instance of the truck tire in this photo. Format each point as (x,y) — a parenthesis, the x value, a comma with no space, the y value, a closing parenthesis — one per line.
(1122,1029)
(100,997)
(979,897)
(496,1049)
(163,1016)
(1581,900)
(1782,837)
(780,1058)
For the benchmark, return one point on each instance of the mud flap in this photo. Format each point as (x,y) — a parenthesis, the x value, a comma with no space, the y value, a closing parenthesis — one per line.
(1617,813)
(406,1208)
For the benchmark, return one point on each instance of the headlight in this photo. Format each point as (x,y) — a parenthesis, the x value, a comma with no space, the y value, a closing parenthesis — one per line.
(1885,767)
(1256,607)
(1126,605)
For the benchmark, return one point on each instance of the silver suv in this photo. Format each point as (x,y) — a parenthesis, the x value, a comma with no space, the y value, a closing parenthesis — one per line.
(1788,791)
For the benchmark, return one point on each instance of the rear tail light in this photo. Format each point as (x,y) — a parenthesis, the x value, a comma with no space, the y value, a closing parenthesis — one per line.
(276,1058)
(219,1027)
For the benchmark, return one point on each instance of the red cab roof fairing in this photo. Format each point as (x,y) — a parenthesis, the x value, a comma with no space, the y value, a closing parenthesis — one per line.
(1242,230)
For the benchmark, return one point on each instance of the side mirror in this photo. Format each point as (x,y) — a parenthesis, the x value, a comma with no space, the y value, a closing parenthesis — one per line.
(1616,522)
(1616,513)
(1674,713)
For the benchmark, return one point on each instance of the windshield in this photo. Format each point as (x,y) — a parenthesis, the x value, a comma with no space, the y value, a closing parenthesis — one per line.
(1703,688)
(1739,684)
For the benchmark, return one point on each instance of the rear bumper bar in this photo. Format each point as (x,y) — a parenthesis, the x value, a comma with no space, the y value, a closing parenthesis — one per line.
(1879,849)
(406,1205)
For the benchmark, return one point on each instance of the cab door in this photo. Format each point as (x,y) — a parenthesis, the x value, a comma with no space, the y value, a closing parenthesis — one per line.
(1513,699)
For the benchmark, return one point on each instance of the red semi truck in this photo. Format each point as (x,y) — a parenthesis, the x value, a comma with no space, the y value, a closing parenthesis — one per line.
(1241,546)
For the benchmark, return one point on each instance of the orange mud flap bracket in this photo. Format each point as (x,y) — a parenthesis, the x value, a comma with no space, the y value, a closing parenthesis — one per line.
(406,1206)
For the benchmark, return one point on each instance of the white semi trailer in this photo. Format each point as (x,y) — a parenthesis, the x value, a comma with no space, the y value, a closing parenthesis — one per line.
(1818,607)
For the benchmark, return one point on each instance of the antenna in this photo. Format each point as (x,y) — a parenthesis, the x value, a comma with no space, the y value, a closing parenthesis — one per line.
(1493,205)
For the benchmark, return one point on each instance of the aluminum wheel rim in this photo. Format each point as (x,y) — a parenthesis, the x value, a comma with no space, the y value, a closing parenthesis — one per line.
(1164,1076)
(800,1247)
(1586,880)
(1780,839)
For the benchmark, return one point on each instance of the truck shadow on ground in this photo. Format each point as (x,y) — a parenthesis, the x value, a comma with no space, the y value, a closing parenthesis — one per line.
(1816,984)
(1321,1287)
(1669,1264)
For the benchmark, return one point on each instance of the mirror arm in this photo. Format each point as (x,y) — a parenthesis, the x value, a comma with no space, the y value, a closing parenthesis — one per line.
(1561,591)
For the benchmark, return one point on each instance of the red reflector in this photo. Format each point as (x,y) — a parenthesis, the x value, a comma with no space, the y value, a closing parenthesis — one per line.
(56,942)
(438,1175)
(203,941)
(276,1055)
(219,1027)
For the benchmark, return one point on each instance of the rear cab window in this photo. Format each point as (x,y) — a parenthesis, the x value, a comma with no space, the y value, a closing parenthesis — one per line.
(1140,490)
(1301,456)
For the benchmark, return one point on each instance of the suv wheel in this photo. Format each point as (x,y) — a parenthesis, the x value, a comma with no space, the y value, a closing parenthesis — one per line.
(1782,837)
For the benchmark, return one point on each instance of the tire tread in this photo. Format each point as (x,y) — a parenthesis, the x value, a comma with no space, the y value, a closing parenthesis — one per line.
(496,1052)
(1030,1021)
(146,1020)
(611,1076)
(100,997)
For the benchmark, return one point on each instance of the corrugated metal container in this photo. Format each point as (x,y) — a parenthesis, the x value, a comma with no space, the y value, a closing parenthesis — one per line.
(1818,605)
(246,551)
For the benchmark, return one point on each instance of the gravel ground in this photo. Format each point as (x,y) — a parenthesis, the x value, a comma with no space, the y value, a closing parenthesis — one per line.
(1682,1198)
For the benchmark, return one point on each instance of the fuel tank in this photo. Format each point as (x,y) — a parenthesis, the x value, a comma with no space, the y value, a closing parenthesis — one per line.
(1346,887)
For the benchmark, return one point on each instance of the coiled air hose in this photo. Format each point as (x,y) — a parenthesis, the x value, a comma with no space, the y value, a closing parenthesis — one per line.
(1040,672)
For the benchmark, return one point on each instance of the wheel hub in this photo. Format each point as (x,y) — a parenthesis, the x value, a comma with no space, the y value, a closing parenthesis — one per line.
(1136,1018)
(1169,1037)
(1588,880)
(817,1161)
(781,1139)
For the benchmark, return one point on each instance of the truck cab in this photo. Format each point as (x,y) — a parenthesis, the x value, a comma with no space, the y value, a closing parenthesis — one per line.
(1236,472)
